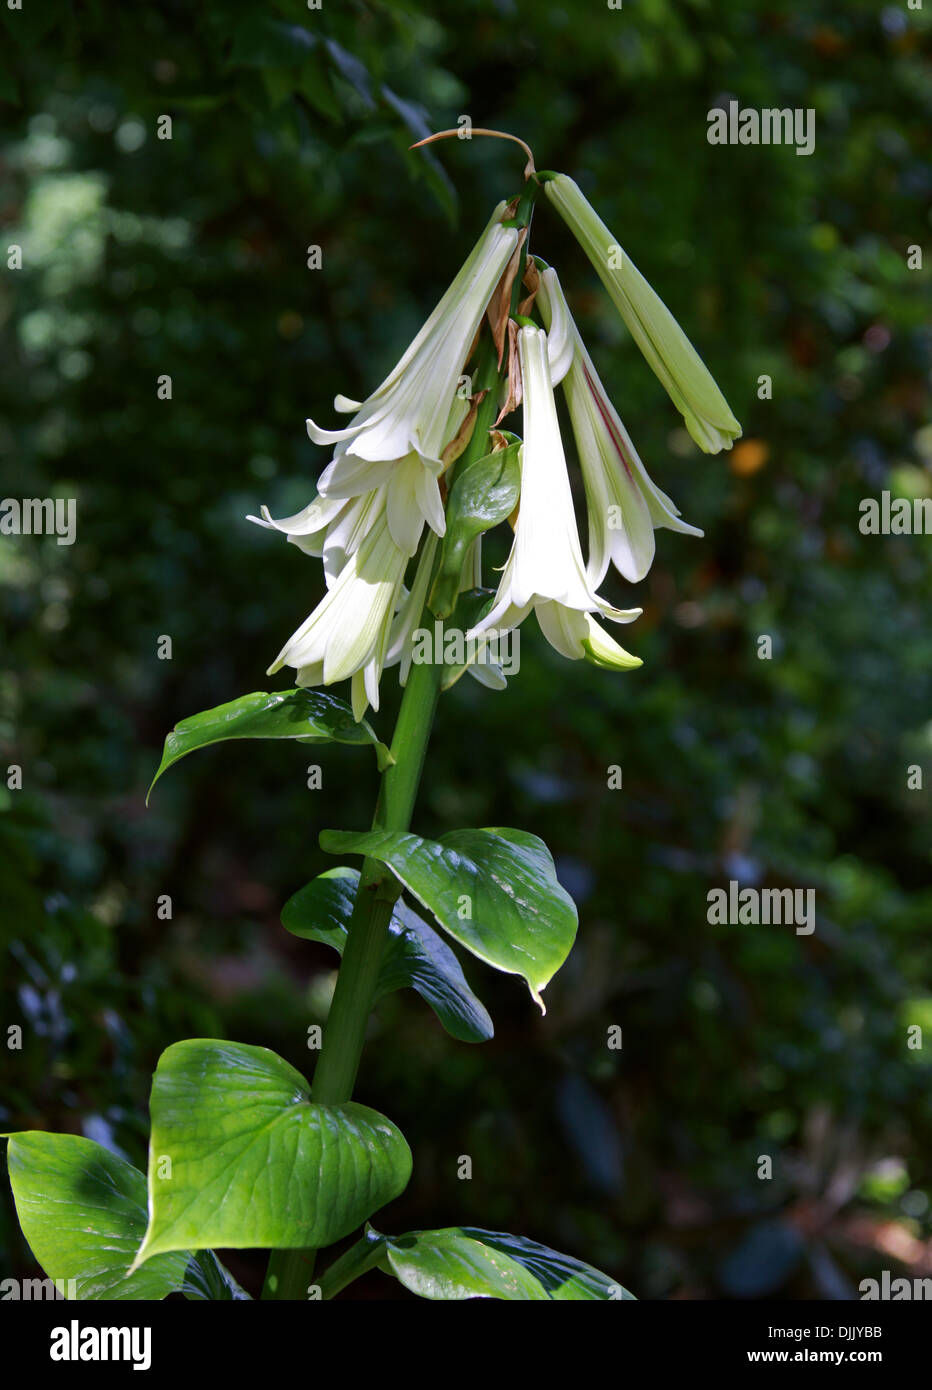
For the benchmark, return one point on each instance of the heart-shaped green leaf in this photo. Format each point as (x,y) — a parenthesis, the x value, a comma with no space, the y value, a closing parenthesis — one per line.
(241,1156)
(307,716)
(494,890)
(465,1262)
(415,955)
(83,1212)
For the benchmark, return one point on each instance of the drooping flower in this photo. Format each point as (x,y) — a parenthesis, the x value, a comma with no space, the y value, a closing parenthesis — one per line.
(545,569)
(573,632)
(669,352)
(548,560)
(348,633)
(624,505)
(397,436)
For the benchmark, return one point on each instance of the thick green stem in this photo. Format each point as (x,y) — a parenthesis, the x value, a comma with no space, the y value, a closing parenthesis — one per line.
(378,891)
(290,1274)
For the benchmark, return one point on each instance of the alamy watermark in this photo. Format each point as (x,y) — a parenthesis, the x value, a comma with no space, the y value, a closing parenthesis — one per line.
(77,1343)
(896,1290)
(741,907)
(895,516)
(40,516)
(450,646)
(745,125)
(37,1290)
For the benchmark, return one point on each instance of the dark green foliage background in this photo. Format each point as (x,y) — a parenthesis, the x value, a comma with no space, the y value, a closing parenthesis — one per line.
(188,257)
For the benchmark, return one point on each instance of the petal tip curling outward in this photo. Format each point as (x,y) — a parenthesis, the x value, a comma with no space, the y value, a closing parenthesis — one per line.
(303,526)
(602,650)
(321,436)
(578,636)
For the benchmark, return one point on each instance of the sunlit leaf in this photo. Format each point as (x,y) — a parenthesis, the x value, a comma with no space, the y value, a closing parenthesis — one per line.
(307,716)
(241,1157)
(495,891)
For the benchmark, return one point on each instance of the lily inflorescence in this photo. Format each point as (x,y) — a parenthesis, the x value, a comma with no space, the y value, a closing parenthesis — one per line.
(379,514)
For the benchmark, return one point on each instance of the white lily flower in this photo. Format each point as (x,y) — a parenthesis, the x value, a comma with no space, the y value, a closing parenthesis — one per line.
(408,414)
(669,352)
(566,629)
(369,516)
(548,560)
(413,489)
(347,635)
(545,572)
(623,503)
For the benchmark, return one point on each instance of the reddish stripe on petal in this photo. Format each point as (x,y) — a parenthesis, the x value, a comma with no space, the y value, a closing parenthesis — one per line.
(609,423)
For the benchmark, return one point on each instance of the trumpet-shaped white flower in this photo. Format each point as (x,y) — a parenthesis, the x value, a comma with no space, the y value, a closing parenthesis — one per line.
(399,433)
(624,505)
(545,570)
(548,560)
(669,352)
(570,631)
(348,633)
(412,489)
(369,516)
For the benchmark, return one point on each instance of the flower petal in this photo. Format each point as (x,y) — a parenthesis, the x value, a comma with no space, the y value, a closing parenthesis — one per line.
(548,558)
(623,503)
(409,612)
(409,411)
(348,476)
(321,436)
(405,517)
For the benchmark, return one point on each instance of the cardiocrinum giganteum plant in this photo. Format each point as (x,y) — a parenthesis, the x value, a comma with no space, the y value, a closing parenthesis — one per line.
(244,1150)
